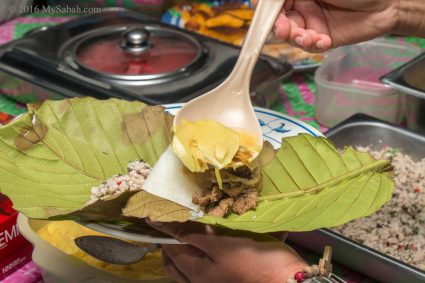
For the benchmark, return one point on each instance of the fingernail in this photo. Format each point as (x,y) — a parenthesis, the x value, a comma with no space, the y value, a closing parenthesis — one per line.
(320,44)
(299,40)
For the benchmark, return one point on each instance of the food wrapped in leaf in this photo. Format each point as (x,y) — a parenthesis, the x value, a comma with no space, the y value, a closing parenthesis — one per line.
(52,157)
(232,177)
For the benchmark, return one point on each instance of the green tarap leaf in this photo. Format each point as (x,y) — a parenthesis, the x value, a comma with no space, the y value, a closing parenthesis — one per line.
(309,184)
(51,157)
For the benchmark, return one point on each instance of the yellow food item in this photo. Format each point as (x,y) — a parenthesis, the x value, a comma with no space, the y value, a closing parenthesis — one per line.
(244,14)
(199,18)
(61,234)
(224,20)
(247,140)
(235,37)
(204,142)
(202,7)
(228,22)
(288,52)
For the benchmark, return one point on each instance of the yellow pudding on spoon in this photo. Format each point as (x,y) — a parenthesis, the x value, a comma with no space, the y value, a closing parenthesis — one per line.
(230,102)
(204,142)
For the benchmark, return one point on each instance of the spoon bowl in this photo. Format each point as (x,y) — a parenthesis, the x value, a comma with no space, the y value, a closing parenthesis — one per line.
(230,103)
(113,250)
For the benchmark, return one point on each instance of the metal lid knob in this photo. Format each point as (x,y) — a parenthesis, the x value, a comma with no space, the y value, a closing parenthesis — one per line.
(136,40)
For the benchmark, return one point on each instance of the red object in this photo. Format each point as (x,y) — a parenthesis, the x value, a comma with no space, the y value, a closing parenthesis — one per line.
(11,239)
(168,54)
(15,261)
(300,276)
(7,207)
(5,118)
(139,67)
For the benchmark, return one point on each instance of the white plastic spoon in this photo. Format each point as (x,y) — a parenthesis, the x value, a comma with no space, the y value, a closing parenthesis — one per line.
(230,103)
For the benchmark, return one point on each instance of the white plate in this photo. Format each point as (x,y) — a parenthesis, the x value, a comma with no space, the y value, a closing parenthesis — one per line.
(275,126)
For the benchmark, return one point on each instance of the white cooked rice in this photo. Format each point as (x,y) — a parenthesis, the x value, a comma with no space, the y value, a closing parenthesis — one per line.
(137,172)
(398,228)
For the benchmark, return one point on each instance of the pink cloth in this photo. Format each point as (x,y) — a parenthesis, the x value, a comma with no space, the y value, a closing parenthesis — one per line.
(29,273)
(7,29)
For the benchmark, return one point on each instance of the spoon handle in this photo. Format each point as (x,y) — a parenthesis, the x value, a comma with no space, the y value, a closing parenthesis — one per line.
(263,21)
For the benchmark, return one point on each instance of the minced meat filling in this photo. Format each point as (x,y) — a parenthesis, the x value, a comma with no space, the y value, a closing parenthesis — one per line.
(238,195)
(245,201)
(223,208)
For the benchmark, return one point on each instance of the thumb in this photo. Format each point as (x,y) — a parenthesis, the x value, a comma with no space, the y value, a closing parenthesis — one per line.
(173,229)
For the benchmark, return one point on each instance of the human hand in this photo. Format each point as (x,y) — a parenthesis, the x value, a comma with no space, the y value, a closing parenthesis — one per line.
(218,255)
(318,25)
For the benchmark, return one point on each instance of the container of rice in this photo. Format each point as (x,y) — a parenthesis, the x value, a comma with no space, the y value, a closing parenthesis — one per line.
(398,228)
(389,245)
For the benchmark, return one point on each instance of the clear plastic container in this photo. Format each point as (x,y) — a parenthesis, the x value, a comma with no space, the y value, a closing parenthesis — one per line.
(348,81)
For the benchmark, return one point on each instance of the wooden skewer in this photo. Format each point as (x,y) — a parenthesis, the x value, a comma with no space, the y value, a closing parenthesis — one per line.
(325,265)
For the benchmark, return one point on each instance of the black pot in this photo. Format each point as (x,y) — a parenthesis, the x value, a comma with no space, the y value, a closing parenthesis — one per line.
(126,55)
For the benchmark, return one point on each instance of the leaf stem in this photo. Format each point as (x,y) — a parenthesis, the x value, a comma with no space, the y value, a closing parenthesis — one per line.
(379,164)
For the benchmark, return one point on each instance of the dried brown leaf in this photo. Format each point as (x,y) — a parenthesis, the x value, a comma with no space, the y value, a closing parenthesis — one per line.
(144,204)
